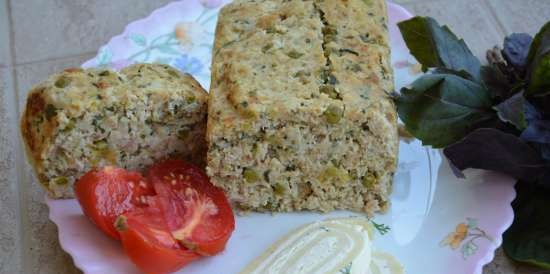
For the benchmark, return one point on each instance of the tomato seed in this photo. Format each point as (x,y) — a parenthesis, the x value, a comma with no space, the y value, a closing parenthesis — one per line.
(189,191)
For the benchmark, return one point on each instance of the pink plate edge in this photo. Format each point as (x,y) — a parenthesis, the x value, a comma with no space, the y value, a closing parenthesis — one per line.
(66,244)
(490,255)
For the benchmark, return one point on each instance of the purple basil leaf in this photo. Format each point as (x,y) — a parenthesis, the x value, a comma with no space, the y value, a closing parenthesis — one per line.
(538,132)
(491,149)
(502,79)
(456,171)
(544,150)
(544,180)
(528,240)
(531,112)
(516,49)
(542,105)
(513,111)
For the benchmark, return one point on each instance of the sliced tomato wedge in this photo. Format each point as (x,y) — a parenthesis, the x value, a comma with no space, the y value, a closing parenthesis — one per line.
(106,193)
(197,213)
(149,244)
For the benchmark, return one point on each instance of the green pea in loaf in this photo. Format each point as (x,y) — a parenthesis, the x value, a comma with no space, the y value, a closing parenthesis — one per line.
(80,119)
(300,116)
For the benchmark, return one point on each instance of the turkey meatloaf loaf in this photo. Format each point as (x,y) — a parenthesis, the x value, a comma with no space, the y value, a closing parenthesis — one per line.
(300,116)
(80,119)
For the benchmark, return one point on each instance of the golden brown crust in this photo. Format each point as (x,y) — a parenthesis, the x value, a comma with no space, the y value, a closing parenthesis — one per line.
(299,105)
(79,119)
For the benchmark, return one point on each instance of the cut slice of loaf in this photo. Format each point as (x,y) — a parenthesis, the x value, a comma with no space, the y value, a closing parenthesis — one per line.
(80,119)
(300,116)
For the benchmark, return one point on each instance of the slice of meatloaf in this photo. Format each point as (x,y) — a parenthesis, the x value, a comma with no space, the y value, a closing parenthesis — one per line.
(80,119)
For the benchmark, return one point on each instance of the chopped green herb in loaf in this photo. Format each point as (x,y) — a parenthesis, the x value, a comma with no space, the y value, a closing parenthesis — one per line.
(299,112)
(80,119)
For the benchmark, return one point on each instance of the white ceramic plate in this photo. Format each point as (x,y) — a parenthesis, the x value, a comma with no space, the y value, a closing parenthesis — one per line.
(439,224)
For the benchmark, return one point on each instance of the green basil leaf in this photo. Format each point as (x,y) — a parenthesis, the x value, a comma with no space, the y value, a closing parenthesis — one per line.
(538,43)
(461,73)
(492,149)
(528,239)
(540,76)
(496,81)
(440,109)
(512,111)
(539,63)
(436,46)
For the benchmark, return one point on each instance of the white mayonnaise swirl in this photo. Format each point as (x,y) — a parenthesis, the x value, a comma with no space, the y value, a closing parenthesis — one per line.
(328,247)
(384,263)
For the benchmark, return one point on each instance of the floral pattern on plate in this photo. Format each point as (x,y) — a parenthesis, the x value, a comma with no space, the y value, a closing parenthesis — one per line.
(466,234)
(187,45)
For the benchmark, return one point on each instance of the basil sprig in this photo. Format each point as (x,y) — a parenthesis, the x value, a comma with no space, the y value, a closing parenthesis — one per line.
(493,117)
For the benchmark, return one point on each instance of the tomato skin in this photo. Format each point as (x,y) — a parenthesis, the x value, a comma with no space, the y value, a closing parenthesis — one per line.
(164,221)
(197,213)
(149,244)
(106,193)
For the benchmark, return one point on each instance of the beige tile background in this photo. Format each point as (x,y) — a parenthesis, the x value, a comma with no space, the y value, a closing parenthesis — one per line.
(39,37)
